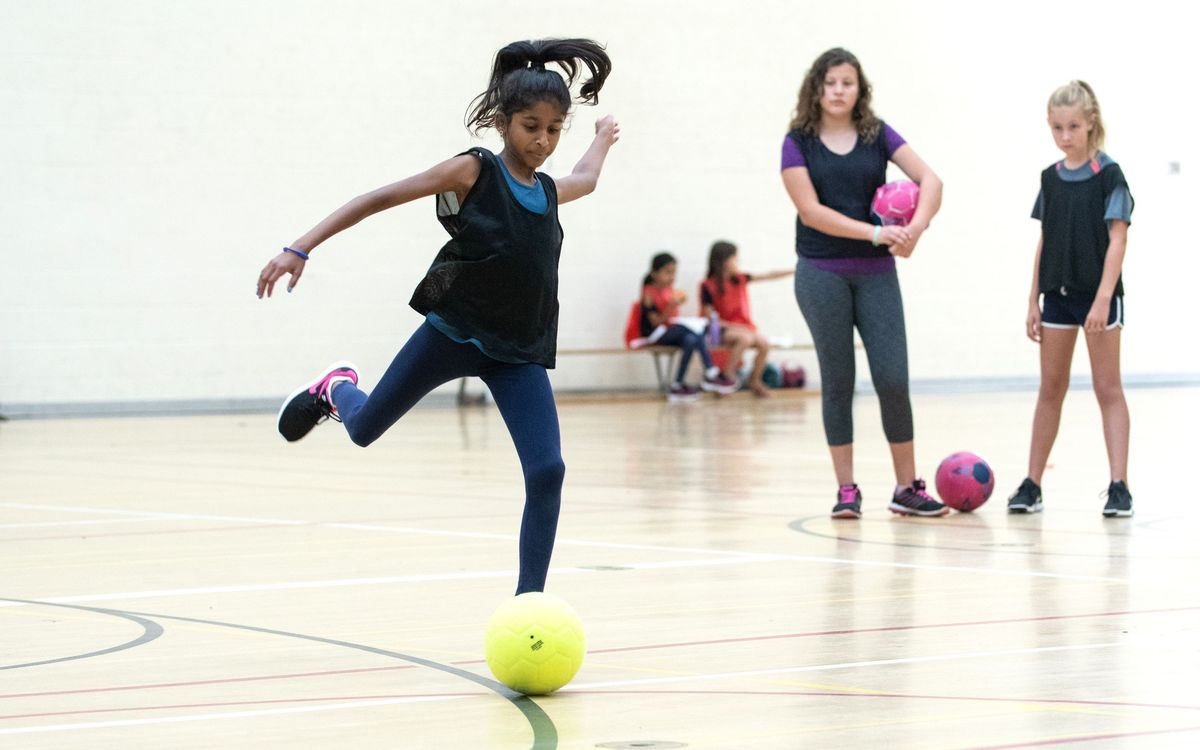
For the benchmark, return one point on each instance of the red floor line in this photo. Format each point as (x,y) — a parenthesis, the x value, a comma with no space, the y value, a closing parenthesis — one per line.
(913,696)
(226,704)
(646,647)
(220,681)
(888,629)
(1083,738)
(151,532)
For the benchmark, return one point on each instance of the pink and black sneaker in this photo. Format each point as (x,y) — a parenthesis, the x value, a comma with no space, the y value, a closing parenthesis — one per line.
(915,501)
(849,502)
(310,405)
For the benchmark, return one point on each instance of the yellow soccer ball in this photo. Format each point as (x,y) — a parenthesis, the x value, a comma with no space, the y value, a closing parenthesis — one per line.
(534,643)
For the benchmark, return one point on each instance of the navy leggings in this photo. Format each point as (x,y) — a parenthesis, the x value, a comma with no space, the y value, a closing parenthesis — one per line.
(522,393)
(689,342)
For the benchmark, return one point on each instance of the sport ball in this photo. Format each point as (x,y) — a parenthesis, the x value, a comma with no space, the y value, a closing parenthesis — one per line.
(964,481)
(896,202)
(534,643)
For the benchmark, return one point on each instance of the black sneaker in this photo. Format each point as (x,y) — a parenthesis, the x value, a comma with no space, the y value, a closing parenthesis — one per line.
(1027,498)
(849,502)
(309,405)
(1120,502)
(915,501)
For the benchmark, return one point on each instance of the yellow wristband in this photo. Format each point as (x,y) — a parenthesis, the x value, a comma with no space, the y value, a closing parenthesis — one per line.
(875,237)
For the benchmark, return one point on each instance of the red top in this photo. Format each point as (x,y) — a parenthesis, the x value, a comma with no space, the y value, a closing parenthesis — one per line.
(732,305)
(662,301)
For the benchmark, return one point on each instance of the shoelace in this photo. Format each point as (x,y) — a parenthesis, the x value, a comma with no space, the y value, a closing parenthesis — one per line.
(917,491)
(320,411)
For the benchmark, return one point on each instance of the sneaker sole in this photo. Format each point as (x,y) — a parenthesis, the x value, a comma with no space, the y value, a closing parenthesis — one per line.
(1118,513)
(305,387)
(723,390)
(902,510)
(845,514)
(1036,508)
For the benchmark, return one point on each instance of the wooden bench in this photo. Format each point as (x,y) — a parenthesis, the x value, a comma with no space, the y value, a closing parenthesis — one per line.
(664,361)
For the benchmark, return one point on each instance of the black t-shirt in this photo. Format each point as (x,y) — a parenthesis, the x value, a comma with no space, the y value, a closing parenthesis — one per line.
(496,279)
(847,184)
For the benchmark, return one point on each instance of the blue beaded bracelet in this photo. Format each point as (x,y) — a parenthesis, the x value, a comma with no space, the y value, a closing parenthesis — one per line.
(301,253)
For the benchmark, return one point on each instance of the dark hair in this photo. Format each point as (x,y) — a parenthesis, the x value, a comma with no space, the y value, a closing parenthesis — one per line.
(807,115)
(520,79)
(721,251)
(656,263)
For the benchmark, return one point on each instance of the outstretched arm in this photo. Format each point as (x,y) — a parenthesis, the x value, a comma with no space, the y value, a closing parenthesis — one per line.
(457,174)
(772,275)
(586,174)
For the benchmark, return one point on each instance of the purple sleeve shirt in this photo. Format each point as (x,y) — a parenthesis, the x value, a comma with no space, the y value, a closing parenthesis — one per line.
(793,158)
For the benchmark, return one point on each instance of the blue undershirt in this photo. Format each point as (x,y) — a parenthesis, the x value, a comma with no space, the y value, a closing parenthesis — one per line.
(533,198)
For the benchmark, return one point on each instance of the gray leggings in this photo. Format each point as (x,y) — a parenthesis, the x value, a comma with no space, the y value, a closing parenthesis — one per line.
(833,305)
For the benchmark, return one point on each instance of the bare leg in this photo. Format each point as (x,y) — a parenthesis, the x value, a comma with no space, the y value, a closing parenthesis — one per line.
(843,462)
(1057,348)
(762,348)
(738,339)
(903,463)
(1104,351)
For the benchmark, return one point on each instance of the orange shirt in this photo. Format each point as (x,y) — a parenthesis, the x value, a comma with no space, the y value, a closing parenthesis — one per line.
(732,304)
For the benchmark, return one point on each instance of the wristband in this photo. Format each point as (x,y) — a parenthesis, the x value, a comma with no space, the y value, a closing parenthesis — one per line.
(874,238)
(301,253)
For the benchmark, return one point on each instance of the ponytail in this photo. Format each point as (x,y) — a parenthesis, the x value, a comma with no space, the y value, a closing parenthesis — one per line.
(520,79)
(657,262)
(1079,95)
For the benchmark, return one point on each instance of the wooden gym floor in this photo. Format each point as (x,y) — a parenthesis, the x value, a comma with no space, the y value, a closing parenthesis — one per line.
(197,583)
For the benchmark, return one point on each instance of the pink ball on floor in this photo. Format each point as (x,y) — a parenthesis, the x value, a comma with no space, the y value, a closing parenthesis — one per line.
(964,481)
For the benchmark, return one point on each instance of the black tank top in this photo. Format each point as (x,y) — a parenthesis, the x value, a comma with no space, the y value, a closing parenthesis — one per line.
(496,280)
(1075,232)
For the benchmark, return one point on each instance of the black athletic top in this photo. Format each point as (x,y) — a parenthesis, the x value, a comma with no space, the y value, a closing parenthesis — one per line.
(496,279)
(1075,231)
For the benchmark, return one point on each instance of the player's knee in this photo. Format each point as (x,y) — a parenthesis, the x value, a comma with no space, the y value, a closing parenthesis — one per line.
(547,475)
(361,438)
(1108,392)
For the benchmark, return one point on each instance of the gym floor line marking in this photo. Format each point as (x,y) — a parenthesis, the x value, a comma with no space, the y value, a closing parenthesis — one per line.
(149,514)
(842,665)
(1073,739)
(892,629)
(375,581)
(909,696)
(222,715)
(217,681)
(260,702)
(81,522)
(736,554)
(545,734)
(645,647)
(488,574)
